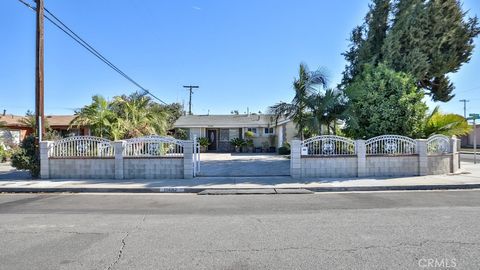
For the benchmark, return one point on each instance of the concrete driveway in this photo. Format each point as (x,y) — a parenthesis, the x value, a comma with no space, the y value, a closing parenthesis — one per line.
(243,164)
(9,172)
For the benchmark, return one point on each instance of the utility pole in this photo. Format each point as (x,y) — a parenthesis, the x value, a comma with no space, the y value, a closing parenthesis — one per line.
(190,87)
(464,107)
(39,84)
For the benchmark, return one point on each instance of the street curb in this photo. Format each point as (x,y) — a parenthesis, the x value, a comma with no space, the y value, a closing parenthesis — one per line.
(198,190)
(394,188)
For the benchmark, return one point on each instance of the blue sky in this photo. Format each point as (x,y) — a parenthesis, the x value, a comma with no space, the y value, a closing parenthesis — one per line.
(241,53)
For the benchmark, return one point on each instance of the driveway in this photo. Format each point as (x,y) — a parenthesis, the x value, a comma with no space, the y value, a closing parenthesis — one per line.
(243,164)
(7,172)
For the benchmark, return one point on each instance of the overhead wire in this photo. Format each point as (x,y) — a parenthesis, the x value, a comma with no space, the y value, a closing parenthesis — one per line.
(67,30)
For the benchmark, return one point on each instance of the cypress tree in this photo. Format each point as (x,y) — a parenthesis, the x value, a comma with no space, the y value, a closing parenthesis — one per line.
(429,39)
(367,40)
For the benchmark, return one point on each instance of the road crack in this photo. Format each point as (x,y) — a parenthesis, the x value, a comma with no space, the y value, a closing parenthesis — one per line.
(124,244)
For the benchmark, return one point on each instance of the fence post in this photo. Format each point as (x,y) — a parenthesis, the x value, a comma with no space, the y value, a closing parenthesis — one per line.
(118,146)
(455,155)
(44,162)
(295,159)
(361,158)
(188,160)
(422,157)
(195,155)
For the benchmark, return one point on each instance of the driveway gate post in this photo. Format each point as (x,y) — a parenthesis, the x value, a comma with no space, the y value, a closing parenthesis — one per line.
(295,158)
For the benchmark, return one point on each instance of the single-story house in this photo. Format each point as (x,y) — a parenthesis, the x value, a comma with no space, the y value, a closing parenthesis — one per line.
(13,129)
(220,129)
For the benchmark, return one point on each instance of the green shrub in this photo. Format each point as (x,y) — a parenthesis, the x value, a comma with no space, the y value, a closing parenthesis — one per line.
(203,141)
(26,157)
(237,142)
(284,149)
(3,153)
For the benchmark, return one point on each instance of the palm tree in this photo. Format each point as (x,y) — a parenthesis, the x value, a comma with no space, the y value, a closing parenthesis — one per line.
(327,108)
(98,116)
(140,116)
(446,124)
(298,109)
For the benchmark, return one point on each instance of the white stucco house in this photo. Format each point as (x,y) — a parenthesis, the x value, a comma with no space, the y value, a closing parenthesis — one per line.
(220,129)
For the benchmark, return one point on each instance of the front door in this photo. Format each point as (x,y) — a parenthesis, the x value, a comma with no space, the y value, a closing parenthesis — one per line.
(212,139)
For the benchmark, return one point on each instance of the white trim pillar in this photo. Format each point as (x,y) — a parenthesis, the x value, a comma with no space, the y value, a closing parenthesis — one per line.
(188,160)
(44,162)
(296,158)
(422,157)
(280,136)
(118,146)
(361,158)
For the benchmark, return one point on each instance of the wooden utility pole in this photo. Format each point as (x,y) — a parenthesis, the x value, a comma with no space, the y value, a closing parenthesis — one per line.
(464,107)
(39,84)
(190,87)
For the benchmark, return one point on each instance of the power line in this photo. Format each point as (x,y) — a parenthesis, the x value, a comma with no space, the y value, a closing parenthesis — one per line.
(62,26)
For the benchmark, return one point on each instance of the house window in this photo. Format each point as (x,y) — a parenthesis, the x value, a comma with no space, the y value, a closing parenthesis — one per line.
(254,130)
(268,131)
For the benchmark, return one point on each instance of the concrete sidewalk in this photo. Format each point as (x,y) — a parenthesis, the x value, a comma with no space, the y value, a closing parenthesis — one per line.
(467,179)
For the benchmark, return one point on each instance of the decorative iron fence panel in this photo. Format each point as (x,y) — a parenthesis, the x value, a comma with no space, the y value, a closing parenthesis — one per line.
(438,144)
(82,146)
(391,145)
(153,146)
(329,145)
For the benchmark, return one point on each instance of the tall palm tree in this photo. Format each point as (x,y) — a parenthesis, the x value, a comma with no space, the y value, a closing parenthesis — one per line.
(298,110)
(98,116)
(446,124)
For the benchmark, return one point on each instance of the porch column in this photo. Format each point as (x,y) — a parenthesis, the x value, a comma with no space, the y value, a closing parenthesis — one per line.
(280,136)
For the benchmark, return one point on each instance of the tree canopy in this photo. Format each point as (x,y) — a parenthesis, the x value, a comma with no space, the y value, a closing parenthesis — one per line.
(383,101)
(427,39)
(127,116)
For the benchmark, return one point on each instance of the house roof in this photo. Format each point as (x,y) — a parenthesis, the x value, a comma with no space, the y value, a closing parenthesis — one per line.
(232,121)
(11,120)
(53,120)
(59,120)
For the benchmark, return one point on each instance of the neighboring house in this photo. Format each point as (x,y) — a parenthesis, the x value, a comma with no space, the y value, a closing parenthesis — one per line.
(13,130)
(220,129)
(467,140)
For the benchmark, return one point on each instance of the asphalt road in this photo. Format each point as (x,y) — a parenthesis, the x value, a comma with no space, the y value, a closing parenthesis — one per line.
(468,157)
(389,230)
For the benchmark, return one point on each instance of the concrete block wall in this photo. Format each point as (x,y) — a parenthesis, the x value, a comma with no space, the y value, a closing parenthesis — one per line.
(392,166)
(439,164)
(117,167)
(82,168)
(363,165)
(153,168)
(329,167)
